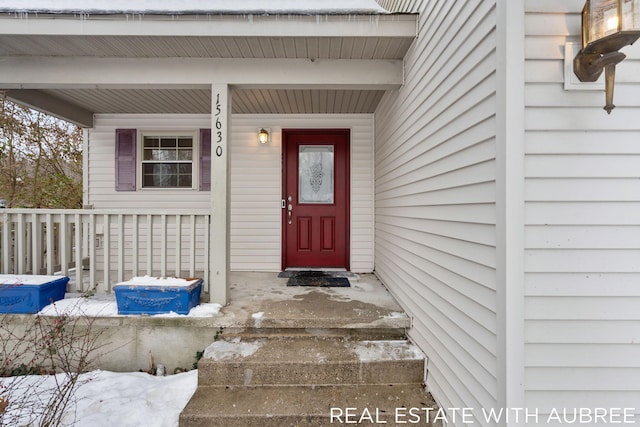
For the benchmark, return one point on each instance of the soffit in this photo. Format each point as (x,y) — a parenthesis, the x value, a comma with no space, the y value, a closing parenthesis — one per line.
(205,47)
(245,101)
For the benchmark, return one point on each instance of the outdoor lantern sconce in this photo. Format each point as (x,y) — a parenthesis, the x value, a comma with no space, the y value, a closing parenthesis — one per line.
(607,26)
(263,136)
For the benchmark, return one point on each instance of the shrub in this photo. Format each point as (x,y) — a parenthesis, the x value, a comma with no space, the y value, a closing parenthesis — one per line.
(42,362)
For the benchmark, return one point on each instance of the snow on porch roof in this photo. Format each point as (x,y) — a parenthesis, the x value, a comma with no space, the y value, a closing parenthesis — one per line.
(181,7)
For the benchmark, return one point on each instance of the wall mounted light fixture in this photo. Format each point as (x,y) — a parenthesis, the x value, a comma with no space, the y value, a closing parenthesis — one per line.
(263,136)
(607,26)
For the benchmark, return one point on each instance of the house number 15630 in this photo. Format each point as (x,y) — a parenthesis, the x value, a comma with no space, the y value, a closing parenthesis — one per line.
(219,127)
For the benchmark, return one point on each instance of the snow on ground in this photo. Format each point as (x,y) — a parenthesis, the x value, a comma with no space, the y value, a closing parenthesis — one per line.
(107,399)
(102,305)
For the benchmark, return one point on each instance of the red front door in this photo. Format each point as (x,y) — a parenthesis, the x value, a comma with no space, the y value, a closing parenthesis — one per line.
(316,194)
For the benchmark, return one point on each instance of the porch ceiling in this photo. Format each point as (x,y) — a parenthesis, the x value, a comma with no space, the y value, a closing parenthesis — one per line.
(375,38)
(198,101)
(139,46)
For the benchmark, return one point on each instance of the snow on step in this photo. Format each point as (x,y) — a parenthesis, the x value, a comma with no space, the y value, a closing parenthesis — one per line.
(310,361)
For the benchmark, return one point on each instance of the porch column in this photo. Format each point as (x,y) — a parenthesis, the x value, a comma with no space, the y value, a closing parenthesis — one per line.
(220,193)
(510,196)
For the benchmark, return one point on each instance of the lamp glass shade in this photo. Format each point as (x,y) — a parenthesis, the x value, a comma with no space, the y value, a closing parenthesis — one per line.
(263,136)
(601,19)
(630,15)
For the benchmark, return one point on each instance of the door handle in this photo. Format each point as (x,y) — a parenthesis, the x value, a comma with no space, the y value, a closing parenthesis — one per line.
(289,209)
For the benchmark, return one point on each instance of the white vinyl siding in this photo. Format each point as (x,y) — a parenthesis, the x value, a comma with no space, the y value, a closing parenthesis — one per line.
(582,234)
(255,180)
(436,199)
(101,155)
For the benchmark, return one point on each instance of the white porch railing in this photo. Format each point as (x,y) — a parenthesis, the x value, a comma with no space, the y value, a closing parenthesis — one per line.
(97,248)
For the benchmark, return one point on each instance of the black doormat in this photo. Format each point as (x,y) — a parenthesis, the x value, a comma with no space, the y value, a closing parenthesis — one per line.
(315,273)
(319,281)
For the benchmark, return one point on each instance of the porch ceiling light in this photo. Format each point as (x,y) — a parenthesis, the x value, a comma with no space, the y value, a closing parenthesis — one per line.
(607,26)
(263,135)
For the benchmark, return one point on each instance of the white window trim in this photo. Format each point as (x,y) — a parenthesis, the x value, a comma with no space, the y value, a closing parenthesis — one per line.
(195,161)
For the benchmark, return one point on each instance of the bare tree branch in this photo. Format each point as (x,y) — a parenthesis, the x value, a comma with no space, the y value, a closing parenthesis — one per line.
(41,159)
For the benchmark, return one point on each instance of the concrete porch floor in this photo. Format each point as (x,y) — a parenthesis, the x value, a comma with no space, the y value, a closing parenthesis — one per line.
(260,304)
(263,300)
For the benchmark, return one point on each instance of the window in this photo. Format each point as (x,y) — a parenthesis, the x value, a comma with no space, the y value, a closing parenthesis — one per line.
(315,174)
(167,161)
(145,159)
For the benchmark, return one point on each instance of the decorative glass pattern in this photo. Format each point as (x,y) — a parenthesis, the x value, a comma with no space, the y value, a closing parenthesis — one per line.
(315,174)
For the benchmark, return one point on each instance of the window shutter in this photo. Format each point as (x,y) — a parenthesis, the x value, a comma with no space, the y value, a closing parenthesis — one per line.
(125,160)
(205,159)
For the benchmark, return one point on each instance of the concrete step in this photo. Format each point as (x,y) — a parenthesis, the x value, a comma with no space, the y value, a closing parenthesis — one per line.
(391,333)
(281,406)
(310,361)
(288,356)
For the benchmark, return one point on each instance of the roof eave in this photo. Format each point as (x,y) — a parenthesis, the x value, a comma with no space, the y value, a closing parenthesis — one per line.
(214,25)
